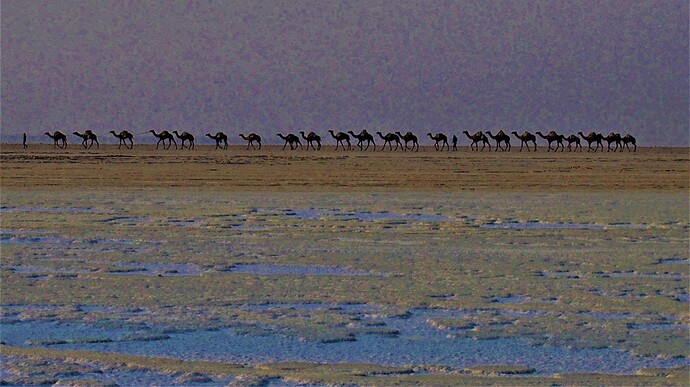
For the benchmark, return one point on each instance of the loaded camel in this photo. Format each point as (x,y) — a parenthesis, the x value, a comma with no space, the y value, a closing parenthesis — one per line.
(439,138)
(388,139)
(251,138)
(593,137)
(361,137)
(339,138)
(627,140)
(123,136)
(525,137)
(310,139)
(499,138)
(573,139)
(88,135)
(409,137)
(185,136)
(57,137)
(479,136)
(551,137)
(292,140)
(162,136)
(613,138)
(219,138)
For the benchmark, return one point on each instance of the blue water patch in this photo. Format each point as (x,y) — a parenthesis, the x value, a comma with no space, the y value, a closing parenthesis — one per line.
(276,269)
(417,342)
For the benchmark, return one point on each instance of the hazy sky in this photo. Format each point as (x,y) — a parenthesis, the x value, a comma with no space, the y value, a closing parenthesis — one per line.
(268,66)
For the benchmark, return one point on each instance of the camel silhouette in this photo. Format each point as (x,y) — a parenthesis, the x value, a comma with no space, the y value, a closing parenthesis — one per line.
(251,138)
(499,138)
(573,139)
(58,137)
(388,139)
(525,137)
(439,138)
(551,137)
(339,138)
(593,137)
(361,137)
(613,138)
(185,136)
(123,136)
(476,137)
(219,138)
(629,139)
(88,135)
(162,136)
(409,137)
(311,138)
(291,139)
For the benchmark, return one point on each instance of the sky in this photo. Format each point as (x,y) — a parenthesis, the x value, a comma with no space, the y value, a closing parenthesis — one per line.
(285,66)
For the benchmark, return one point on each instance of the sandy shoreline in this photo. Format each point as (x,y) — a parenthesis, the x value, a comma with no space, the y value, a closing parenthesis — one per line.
(274,169)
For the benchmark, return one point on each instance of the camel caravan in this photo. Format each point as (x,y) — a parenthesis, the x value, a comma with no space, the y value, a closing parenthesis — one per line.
(364,140)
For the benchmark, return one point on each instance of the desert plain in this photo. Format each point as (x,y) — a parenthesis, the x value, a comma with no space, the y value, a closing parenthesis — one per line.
(271,266)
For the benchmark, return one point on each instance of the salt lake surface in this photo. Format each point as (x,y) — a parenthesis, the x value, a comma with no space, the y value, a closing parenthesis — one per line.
(429,255)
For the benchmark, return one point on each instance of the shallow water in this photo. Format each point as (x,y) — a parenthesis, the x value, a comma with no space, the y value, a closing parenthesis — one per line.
(274,269)
(418,342)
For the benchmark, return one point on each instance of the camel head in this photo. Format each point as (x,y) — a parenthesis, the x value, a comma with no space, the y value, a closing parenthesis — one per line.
(76,133)
(113,132)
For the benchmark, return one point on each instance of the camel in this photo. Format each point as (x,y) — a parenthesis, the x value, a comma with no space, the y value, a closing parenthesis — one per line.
(88,135)
(551,137)
(123,136)
(479,136)
(409,137)
(58,136)
(525,137)
(573,139)
(339,138)
(439,138)
(291,139)
(219,138)
(185,136)
(627,140)
(162,136)
(593,137)
(388,139)
(251,138)
(615,138)
(361,137)
(310,138)
(499,138)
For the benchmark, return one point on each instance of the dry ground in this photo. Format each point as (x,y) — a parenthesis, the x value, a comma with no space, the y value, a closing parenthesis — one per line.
(272,169)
